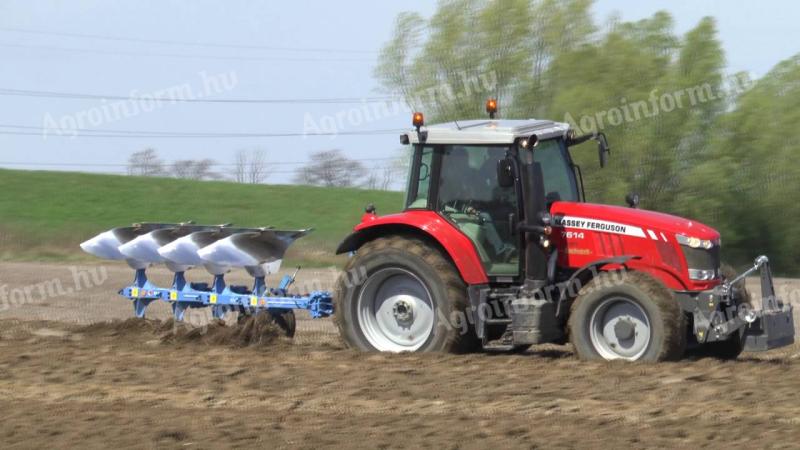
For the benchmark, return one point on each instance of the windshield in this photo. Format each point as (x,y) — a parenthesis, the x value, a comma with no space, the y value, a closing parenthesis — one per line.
(559,177)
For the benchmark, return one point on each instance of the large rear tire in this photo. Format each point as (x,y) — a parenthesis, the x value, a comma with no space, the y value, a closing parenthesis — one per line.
(401,294)
(628,316)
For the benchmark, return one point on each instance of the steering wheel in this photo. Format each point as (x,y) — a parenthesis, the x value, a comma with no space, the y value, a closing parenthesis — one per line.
(464,207)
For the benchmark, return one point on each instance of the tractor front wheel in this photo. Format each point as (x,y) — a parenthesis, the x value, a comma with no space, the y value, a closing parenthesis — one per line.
(401,294)
(628,316)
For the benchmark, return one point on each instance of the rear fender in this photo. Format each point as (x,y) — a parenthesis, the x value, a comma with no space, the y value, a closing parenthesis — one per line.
(428,225)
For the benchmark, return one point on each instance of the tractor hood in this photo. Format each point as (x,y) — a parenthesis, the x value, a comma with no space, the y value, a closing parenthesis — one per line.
(637,220)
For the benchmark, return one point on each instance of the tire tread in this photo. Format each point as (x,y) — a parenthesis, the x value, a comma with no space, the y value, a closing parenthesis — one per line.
(455,288)
(674,343)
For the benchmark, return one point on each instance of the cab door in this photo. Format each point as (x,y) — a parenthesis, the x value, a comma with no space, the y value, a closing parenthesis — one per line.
(469,196)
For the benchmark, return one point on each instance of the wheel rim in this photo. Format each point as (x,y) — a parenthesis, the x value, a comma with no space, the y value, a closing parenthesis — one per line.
(620,329)
(395,311)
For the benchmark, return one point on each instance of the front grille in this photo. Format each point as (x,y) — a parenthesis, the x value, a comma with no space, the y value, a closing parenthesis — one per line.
(700,258)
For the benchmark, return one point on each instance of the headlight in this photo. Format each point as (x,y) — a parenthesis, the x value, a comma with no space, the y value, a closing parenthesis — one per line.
(694,242)
(702,275)
(702,257)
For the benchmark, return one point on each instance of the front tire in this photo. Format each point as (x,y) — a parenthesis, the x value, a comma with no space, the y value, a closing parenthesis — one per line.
(401,294)
(628,316)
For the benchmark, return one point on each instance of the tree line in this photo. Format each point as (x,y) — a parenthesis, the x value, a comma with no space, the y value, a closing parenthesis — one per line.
(688,137)
(328,168)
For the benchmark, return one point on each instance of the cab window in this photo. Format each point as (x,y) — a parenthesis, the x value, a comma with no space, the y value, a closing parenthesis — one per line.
(470,197)
(559,177)
(419,179)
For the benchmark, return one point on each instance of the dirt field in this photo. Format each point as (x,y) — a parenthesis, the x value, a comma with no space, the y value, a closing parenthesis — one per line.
(68,379)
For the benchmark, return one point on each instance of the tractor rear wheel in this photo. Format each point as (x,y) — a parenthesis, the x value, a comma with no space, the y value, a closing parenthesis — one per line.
(401,294)
(629,316)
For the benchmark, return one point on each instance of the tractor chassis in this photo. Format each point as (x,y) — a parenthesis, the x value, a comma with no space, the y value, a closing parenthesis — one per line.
(529,318)
(716,315)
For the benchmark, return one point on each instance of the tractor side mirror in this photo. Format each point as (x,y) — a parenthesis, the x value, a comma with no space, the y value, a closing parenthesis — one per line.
(505,172)
(602,144)
(602,149)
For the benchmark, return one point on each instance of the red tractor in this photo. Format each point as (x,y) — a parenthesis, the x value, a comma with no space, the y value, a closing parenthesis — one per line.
(498,249)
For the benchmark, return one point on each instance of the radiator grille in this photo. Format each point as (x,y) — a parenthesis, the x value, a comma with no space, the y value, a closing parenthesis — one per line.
(701,258)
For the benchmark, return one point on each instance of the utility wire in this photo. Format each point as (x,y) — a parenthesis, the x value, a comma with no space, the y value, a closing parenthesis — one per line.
(184,56)
(197,136)
(212,163)
(72,95)
(167,173)
(182,133)
(166,169)
(136,134)
(183,43)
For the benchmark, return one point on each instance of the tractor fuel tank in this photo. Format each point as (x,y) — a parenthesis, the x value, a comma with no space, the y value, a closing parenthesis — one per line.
(533,321)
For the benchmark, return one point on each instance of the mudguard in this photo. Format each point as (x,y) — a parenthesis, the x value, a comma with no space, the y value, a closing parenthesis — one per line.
(428,224)
(583,275)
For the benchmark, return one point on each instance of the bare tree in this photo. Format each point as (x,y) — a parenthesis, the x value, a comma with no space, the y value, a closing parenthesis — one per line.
(257,169)
(332,169)
(145,163)
(251,167)
(384,177)
(192,169)
(373,180)
(389,175)
(380,177)
(240,170)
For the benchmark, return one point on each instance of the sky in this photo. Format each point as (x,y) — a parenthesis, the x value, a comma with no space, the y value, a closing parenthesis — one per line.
(261,50)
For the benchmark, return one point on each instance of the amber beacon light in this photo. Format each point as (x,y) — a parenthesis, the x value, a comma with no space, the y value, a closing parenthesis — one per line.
(491,107)
(418,120)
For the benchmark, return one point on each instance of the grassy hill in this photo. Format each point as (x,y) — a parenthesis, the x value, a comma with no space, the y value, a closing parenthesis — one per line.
(45,215)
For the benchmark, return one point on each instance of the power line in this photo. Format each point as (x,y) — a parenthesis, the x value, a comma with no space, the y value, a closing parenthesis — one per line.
(124,172)
(167,168)
(198,136)
(183,43)
(168,163)
(150,133)
(136,134)
(71,95)
(184,56)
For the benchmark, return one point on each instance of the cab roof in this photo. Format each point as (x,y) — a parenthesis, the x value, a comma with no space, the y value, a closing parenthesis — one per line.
(491,131)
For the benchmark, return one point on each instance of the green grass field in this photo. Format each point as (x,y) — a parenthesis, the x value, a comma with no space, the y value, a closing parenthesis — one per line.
(45,215)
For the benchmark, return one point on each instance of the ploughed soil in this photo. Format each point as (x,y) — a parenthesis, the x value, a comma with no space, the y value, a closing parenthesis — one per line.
(76,371)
